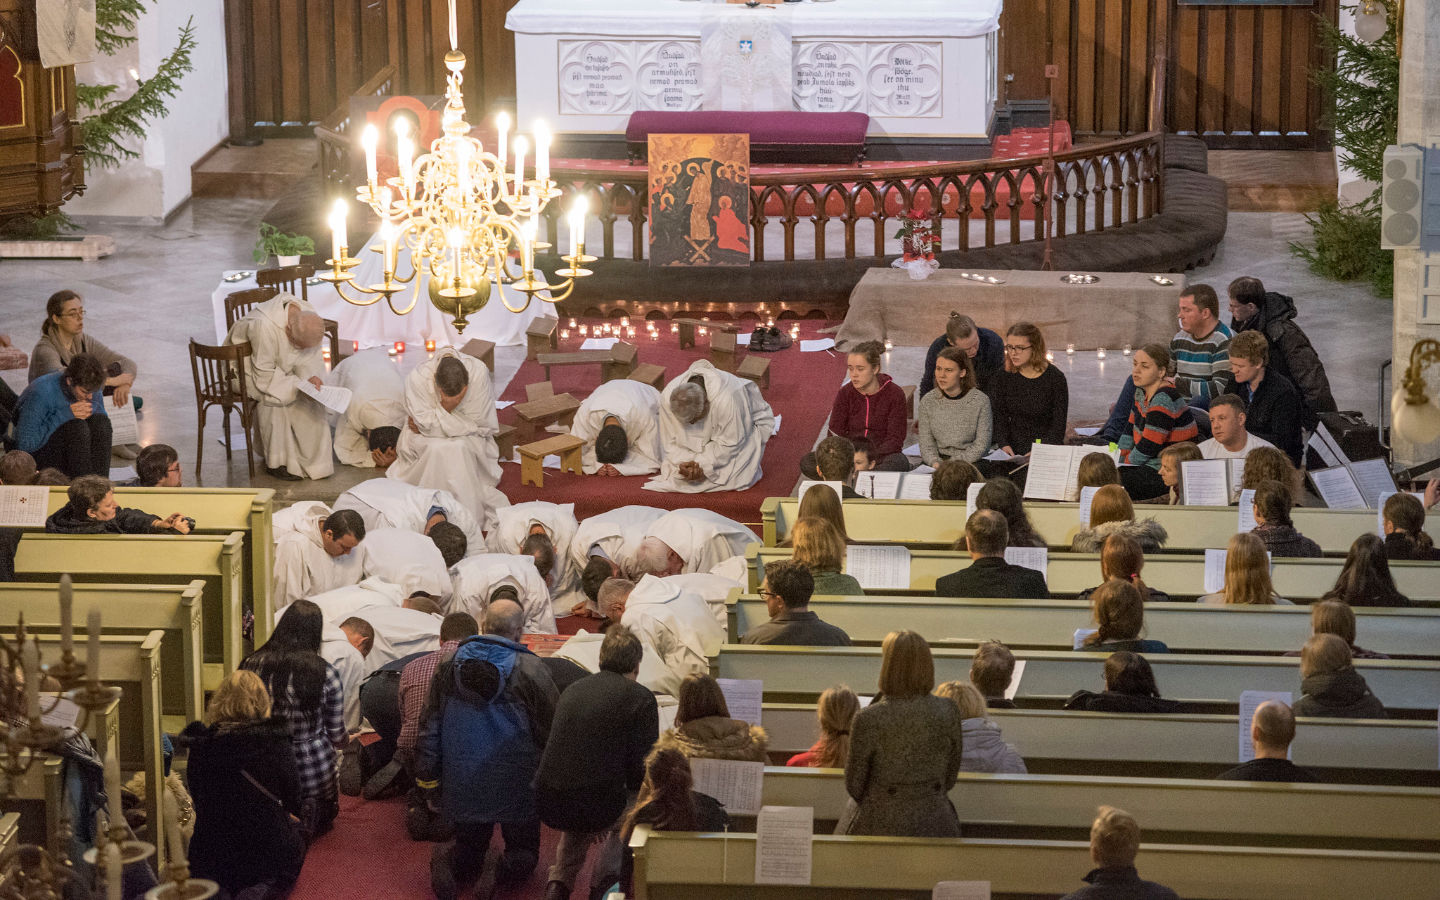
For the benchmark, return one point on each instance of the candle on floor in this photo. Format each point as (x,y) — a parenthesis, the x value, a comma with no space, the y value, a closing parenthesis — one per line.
(630,332)
(1069,349)
(1126,349)
(325,353)
(430,346)
(889,346)
(354,346)
(1100,353)
(572,323)
(390,351)
(624,321)
(399,346)
(582,330)
(564,334)
(674,329)
(702,332)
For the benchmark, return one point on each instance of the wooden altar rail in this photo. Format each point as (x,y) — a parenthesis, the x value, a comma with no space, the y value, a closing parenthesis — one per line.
(333,135)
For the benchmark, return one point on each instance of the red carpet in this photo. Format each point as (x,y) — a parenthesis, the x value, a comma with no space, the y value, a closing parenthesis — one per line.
(802,386)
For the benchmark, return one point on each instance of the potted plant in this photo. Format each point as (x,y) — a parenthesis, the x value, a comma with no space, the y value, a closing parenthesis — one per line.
(287,248)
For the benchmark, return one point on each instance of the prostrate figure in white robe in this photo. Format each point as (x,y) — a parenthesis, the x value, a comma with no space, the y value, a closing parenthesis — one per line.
(398,632)
(377,407)
(317,557)
(284,334)
(343,602)
(607,545)
(297,517)
(713,430)
(346,649)
(387,503)
(476,581)
(414,561)
(449,439)
(675,623)
(583,649)
(619,424)
(519,523)
(692,540)
(713,589)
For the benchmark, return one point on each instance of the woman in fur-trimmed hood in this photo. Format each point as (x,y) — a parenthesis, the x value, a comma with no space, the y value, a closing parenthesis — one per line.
(1111,512)
(703,727)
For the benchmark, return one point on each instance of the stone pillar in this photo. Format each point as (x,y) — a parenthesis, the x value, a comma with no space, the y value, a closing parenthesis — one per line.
(1419,124)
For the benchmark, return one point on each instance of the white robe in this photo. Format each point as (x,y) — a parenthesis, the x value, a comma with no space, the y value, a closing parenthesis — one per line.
(727,444)
(340,604)
(399,632)
(513,526)
(637,406)
(298,517)
(618,533)
(583,649)
(713,589)
(679,626)
(294,429)
(387,503)
(377,401)
(303,568)
(477,577)
(703,539)
(454,451)
(337,650)
(407,559)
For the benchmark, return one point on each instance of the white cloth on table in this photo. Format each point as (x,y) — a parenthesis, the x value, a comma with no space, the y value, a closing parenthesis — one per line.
(713,589)
(454,451)
(679,626)
(475,578)
(377,401)
(558,522)
(702,538)
(337,650)
(303,568)
(341,603)
(583,649)
(388,503)
(399,632)
(294,429)
(727,443)
(408,559)
(637,406)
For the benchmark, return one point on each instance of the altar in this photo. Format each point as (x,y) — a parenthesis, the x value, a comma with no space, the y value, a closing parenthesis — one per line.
(922,69)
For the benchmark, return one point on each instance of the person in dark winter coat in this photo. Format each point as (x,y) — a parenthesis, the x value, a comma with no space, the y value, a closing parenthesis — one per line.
(1114,844)
(1330,686)
(1129,688)
(242,780)
(1252,308)
(487,720)
(92,510)
(1274,527)
(1112,512)
(985,348)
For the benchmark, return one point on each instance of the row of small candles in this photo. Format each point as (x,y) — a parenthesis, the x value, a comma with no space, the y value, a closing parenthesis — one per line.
(626,330)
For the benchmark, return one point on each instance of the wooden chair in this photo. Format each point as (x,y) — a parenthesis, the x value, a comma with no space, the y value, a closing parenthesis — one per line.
(290,279)
(332,334)
(219,374)
(239,303)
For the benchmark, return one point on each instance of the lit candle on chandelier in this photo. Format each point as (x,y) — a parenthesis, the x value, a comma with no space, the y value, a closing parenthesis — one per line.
(388,237)
(577,226)
(522,146)
(370,140)
(527,231)
(338,213)
(456,239)
(405,149)
(502,125)
(542,152)
(462,169)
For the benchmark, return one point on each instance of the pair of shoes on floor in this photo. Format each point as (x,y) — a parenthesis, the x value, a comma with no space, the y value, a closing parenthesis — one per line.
(386,782)
(282,473)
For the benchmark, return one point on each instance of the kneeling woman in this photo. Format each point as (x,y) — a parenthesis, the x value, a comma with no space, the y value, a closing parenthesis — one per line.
(871,406)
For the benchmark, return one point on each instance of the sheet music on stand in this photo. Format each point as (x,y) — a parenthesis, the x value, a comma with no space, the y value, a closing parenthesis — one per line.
(879,567)
(1371,477)
(1205,482)
(1249,702)
(783,838)
(1247,511)
(915,486)
(1337,487)
(836,486)
(971,494)
(1037,558)
(1055,471)
(1087,499)
(743,697)
(25,506)
(878,485)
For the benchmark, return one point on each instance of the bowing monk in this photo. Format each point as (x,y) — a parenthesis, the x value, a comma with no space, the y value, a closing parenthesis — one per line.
(617,422)
(713,429)
(366,433)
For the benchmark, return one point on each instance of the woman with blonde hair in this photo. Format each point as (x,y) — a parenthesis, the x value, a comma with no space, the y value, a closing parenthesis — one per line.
(703,727)
(242,781)
(821,549)
(905,750)
(1172,472)
(1112,513)
(1121,558)
(985,748)
(821,502)
(1247,575)
(836,710)
(1330,685)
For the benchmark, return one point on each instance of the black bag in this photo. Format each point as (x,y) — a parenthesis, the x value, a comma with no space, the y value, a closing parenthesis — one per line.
(769,339)
(1357,437)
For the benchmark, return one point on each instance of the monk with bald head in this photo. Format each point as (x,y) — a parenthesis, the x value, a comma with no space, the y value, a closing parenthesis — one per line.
(284,334)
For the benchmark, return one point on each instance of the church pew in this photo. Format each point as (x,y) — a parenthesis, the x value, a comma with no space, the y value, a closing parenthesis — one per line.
(129,609)
(38,792)
(1180,575)
(693,866)
(1187,810)
(217,511)
(1074,741)
(1051,624)
(157,559)
(806,671)
(930,523)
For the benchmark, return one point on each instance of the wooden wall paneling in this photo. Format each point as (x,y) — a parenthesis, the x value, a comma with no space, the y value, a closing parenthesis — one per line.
(1063,48)
(1320,107)
(498,51)
(1272,20)
(1239,89)
(1112,27)
(1302,38)
(287,39)
(1213,47)
(1083,64)
(1184,66)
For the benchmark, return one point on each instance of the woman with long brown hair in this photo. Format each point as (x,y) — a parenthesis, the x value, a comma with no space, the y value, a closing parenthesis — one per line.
(1122,558)
(1112,513)
(1365,579)
(1247,575)
(666,802)
(1030,400)
(703,727)
(821,501)
(872,406)
(1118,608)
(836,710)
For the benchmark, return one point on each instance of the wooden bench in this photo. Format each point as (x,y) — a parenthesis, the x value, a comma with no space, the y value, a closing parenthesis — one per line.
(937,524)
(158,559)
(697,866)
(617,362)
(1051,624)
(723,346)
(533,416)
(129,609)
(687,328)
(651,374)
(803,672)
(532,457)
(1180,575)
(755,368)
(482,350)
(39,796)
(541,335)
(505,442)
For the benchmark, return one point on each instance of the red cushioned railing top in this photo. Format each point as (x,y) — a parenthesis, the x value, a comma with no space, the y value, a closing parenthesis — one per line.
(764,127)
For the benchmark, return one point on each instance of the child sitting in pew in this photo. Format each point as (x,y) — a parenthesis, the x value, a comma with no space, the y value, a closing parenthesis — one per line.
(92,510)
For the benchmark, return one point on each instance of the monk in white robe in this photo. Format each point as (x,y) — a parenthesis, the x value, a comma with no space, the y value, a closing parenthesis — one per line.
(583,649)
(449,439)
(343,602)
(407,559)
(555,521)
(674,622)
(377,401)
(713,589)
(692,540)
(619,424)
(399,632)
(713,430)
(317,556)
(475,580)
(387,503)
(607,545)
(284,334)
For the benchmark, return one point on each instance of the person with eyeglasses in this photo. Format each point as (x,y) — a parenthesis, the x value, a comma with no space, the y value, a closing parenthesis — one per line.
(61,419)
(158,465)
(1030,400)
(63,337)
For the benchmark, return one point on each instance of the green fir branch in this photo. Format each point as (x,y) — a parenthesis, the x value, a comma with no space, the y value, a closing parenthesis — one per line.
(115,22)
(113,123)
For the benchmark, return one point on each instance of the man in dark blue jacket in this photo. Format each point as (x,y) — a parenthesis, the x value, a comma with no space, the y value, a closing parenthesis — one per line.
(1114,842)
(985,348)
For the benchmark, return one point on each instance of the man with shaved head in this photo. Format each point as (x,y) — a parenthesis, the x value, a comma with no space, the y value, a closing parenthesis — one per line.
(284,335)
(1271,731)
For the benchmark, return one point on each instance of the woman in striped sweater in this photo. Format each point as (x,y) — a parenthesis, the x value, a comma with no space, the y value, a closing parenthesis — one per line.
(1159,416)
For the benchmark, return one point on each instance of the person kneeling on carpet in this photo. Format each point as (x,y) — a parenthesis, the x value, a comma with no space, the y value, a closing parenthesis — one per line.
(617,422)
(713,431)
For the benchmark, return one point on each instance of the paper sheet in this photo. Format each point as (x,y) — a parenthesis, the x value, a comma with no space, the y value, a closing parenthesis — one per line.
(778,417)
(598,343)
(332,397)
(1013,687)
(1337,488)
(1249,702)
(501,404)
(879,568)
(124,428)
(1204,482)
(783,836)
(998,455)
(1237,475)
(237,440)
(971,493)
(1087,499)
(1077,642)
(25,506)
(1214,570)
(667,708)
(912,450)
(817,345)
(836,486)
(886,485)
(1036,558)
(1329,448)
(923,469)
(735,784)
(122,473)
(65,714)
(743,697)
(961,890)
(1319,445)
(1373,478)
(915,486)
(1088,432)
(1049,477)
(1247,511)
(743,340)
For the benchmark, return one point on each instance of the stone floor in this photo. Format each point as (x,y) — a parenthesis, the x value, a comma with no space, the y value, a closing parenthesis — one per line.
(153,295)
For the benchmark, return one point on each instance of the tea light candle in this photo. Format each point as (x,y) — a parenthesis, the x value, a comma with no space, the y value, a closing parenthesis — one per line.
(889,346)
(624,321)
(1100,353)
(325,353)
(1069,349)
(654,336)
(572,323)
(769,323)
(354,346)
(389,351)
(630,332)
(1126,350)
(1050,355)
(674,329)
(702,332)
(564,334)
(430,346)
(399,346)
(582,330)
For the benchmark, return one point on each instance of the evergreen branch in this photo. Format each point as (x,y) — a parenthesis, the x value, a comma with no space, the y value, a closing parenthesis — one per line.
(113,122)
(115,22)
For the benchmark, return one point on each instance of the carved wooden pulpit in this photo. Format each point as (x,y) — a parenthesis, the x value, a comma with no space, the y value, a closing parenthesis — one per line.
(41,151)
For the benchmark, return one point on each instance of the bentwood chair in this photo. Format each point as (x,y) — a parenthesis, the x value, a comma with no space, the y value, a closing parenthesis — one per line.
(240,302)
(290,279)
(220,381)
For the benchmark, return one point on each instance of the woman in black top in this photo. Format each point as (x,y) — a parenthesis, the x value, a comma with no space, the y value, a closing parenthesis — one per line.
(1030,399)
(1365,578)
(667,803)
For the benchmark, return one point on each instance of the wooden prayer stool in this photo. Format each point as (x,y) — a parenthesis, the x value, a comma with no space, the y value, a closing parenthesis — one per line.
(651,374)
(755,368)
(505,442)
(539,390)
(540,336)
(534,415)
(617,362)
(482,350)
(688,326)
(532,457)
(722,350)
(621,363)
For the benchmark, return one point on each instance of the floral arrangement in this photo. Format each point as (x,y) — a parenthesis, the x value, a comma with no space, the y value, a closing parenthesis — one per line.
(917,243)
